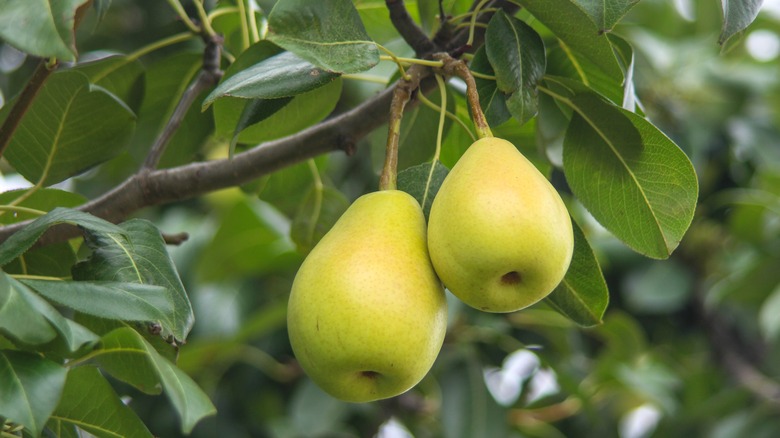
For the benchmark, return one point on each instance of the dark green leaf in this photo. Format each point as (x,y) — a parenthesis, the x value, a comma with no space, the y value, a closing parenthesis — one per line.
(23,239)
(129,357)
(423,182)
(110,300)
(120,75)
(606,13)
(582,295)
(491,99)
(320,209)
(30,388)
(629,175)
(577,31)
(89,402)
(737,15)
(140,258)
(255,111)
(53,260)
(40,27)
(70,127)
(516,53)
(282,75)
(327,33)
(19,319)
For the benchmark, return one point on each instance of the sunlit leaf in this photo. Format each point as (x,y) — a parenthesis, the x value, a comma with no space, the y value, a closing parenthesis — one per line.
(606,13)
(737,15)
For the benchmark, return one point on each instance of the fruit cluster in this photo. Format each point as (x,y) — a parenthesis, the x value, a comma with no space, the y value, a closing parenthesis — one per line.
(367,313)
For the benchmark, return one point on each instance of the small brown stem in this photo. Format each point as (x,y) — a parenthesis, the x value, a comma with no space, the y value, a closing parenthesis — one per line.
(401,95)
(23,103)
(456,67)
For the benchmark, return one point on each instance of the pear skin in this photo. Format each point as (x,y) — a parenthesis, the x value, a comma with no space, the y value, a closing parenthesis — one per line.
(367,315)
(499,235)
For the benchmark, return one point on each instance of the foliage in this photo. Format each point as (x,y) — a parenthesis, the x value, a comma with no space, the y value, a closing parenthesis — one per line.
(164,208)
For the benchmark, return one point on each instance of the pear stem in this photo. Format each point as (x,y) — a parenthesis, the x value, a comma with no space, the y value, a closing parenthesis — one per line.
(456,67)
(401,96)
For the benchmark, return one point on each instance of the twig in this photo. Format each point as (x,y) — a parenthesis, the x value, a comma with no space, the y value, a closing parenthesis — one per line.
(456,67)
(410,32)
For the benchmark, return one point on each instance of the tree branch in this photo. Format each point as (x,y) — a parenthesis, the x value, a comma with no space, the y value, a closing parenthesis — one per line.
(410,32)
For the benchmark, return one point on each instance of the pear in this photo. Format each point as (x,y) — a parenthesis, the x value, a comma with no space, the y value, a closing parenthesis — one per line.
(499,235)
(367,314)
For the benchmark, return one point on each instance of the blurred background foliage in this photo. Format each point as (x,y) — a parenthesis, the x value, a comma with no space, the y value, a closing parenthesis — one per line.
(689,346)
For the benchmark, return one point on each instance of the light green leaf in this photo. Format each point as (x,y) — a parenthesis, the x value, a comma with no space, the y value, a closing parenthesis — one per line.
(70,127)
(46,199)
(629,175)
(318,212)
(423,182)
(516,53)
(19,319)
(129,357)
(42,28)
(140,258)
(327,33)
(582,295)
(255,111)
(110,300)
(90,403)
(606,13)
(737,15)
(30,388)
(768,321)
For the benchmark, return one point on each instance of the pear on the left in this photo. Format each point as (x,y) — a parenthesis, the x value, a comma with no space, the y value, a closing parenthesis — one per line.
(367,314)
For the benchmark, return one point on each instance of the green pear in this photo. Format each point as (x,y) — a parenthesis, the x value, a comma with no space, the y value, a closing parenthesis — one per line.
(499,235)
(367,314)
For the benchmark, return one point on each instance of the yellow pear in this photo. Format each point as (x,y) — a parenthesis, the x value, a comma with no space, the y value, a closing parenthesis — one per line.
(367,314)
(499,235)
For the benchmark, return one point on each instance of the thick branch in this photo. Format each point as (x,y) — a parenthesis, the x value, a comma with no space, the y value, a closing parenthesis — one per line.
(409,30)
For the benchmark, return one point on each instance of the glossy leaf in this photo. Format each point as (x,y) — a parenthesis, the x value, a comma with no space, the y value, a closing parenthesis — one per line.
(629,175)
(23,239)
(30,388)
(318,212)
(737,15)
(582,295)
(423,182)
(70,127)
(491,99)
(129,357)
(110,300)
(516,53)
(140,258)
(327,33)
(606,13)
(89,402)
(578,31)
(42,28)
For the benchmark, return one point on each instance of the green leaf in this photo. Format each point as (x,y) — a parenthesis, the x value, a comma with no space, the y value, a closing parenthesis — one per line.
(30,388)
(70,127)
(125,353)
(282,75)
(120,75)
(43,199)
(42,28)
(327,33)
(140,258)
(606,13)
(318,212)
(23,239)
(737,16)
(90,403)
(491,99)
(19,319)
(768,321)
(423,182)
(582,295)
(110,300)
(255,111)
(569,22)
(634,180)
(516,53)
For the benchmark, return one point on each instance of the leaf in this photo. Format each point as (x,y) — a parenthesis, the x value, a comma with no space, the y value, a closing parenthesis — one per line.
(124,352)
(42,28)
(634,180)
(90,403)
(23,239)
(120,75)
(516,53)
(282,75)
(423,182)
(255,111)
(768,321)
(582,295)
(606,13)
(30,387)
(491,99)
(327,33)
(737,16)
(70,127)
(42,199)
(318,212)
(578,31)
(110,300)
(140,258)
